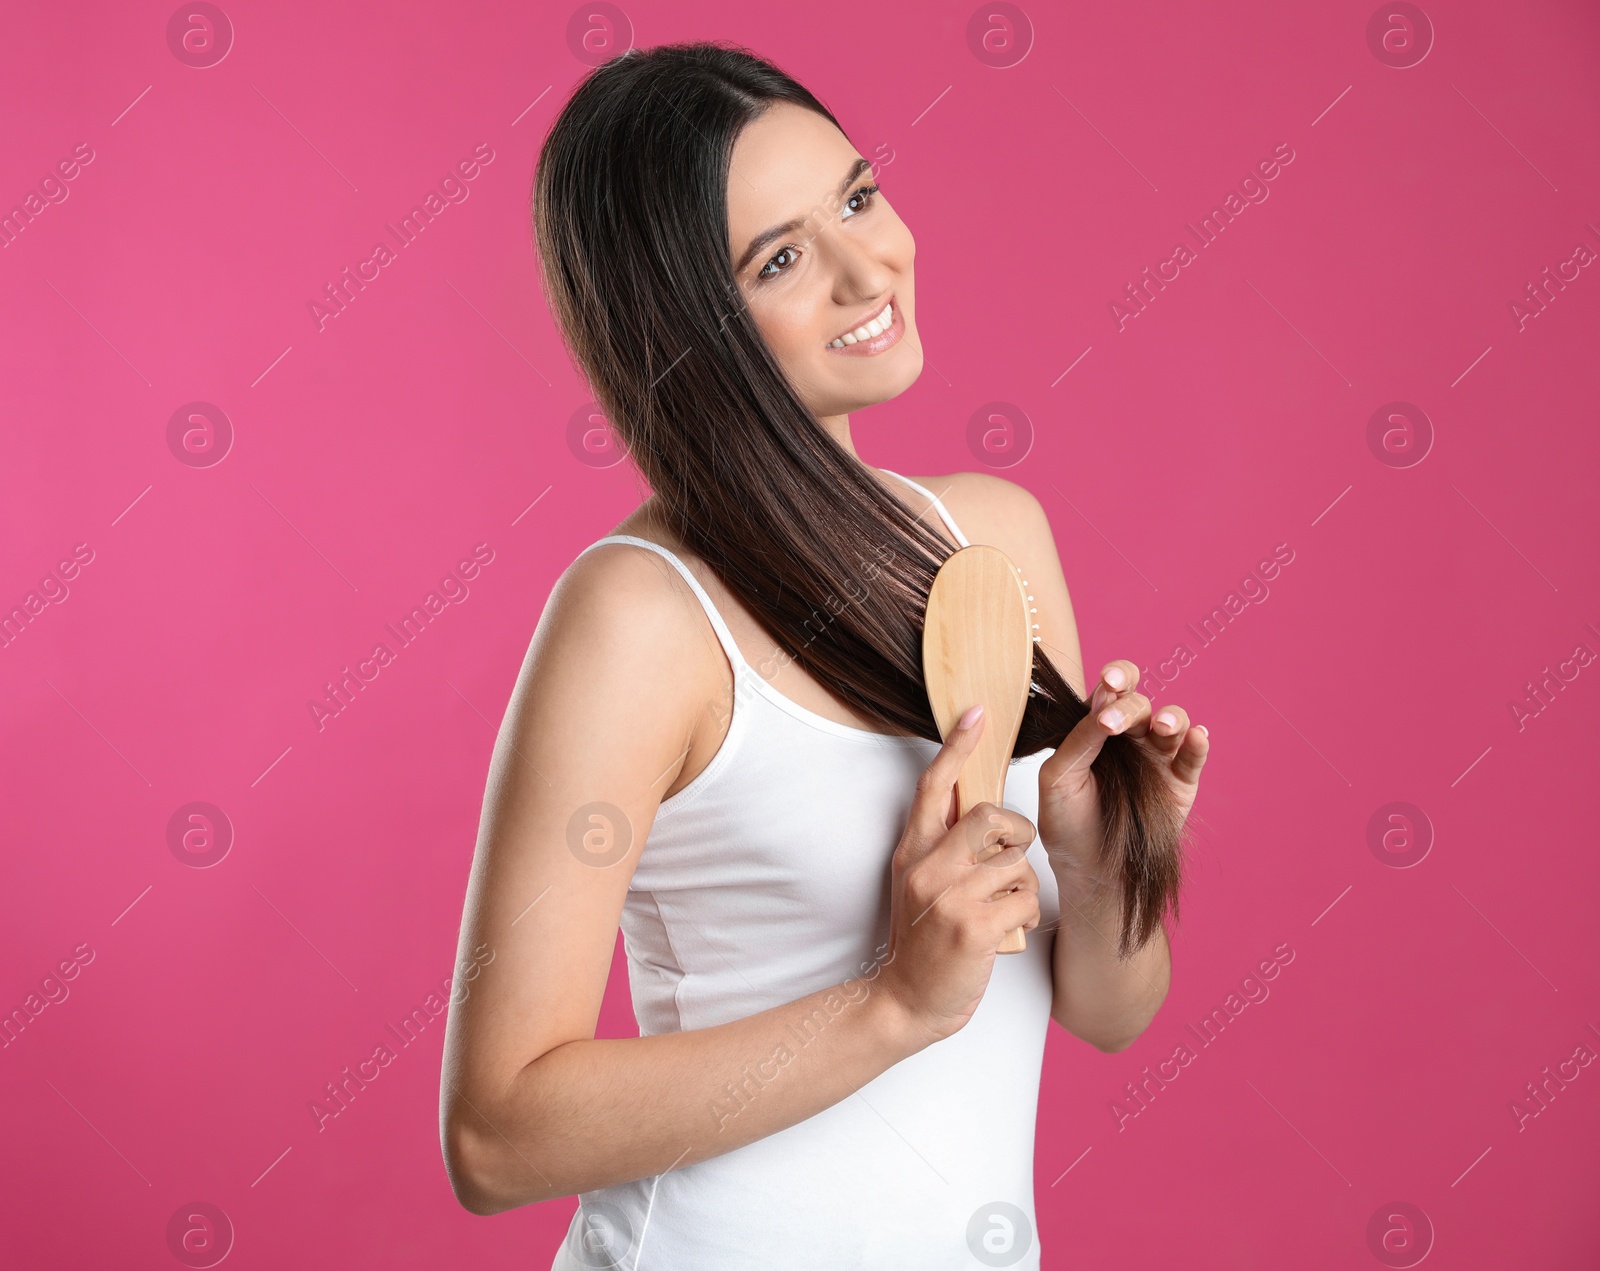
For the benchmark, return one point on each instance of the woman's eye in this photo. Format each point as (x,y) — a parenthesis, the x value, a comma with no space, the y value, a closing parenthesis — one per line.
(857,203)
(787,251)
(864,194)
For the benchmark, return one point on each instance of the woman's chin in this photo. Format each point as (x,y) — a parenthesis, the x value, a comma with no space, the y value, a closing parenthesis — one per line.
(905,371)
(888,380)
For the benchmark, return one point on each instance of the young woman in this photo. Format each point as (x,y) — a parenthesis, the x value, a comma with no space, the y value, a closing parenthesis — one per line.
(720,738)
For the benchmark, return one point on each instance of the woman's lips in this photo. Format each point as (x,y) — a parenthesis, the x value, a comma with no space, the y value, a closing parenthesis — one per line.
(885,339)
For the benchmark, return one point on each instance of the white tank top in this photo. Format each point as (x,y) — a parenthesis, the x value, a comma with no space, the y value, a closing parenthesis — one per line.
(763,880)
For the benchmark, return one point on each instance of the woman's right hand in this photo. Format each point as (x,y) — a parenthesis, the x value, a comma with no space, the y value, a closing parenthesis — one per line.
(957,888)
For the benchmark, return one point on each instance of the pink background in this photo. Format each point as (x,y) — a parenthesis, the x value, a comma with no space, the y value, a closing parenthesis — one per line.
(368,458)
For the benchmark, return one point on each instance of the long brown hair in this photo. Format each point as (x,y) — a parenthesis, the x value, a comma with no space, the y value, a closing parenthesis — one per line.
(631,226)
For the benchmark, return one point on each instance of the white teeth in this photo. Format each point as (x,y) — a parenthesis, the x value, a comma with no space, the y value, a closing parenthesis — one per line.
(876,327)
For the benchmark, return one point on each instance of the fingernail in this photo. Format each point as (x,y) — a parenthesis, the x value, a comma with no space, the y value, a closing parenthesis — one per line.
(1166,720)
(1115,677)
(1111,717)
(1205,730)
(971,717)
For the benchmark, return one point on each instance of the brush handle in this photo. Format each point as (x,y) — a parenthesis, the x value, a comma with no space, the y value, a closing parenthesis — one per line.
(971,790)
(977,646)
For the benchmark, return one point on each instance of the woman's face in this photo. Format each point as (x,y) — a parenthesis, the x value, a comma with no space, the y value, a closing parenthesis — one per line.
(818,253)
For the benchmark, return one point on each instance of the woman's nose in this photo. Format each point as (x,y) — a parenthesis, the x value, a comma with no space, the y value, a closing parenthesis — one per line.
(860,270)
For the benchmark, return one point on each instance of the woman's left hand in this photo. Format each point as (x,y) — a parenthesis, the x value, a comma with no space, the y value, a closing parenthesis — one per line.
(1069,822)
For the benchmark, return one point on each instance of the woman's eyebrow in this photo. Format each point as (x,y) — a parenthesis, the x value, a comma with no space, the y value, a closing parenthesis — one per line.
(778,231)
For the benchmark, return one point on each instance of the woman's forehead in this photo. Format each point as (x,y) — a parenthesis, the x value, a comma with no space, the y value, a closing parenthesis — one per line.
(785,163)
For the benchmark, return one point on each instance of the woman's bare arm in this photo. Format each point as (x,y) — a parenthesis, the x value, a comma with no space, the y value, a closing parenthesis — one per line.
(532,1105)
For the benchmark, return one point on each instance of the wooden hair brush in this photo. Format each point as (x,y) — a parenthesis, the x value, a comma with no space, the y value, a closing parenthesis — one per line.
(977,647)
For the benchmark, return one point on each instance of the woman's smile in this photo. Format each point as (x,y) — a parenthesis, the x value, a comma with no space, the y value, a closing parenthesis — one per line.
(882,331)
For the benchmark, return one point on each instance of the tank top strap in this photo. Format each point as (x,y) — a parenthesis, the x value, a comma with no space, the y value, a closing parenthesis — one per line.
(724,636)
(938,506)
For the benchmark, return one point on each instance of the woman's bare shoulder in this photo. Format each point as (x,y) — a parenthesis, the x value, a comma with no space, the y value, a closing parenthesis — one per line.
(623,588)
(985,505)
(624,608)
(991,509)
